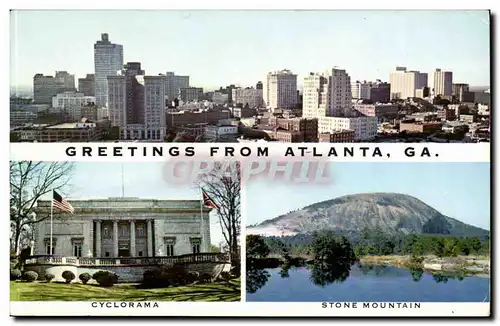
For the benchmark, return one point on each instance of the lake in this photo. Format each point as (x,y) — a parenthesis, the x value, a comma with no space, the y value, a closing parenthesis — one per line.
(362,283)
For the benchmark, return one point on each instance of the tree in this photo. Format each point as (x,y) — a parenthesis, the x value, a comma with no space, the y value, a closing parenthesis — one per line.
(256,246)
(475,245)
(213,248)
(28,182)
(327,248)
(451,247)
(223,184)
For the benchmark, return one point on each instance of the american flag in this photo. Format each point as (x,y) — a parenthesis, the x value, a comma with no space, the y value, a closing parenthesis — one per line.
(60,203)
(207,201)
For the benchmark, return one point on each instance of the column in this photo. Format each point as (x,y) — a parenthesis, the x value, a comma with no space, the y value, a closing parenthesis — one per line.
(203,245)
(150,239)
(132,238)
(115,239)
(98,239)
(206,233)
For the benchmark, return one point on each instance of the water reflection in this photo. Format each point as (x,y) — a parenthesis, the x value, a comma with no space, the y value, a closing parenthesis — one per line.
(256,278)
(416,274)
(285,270)
(323,274)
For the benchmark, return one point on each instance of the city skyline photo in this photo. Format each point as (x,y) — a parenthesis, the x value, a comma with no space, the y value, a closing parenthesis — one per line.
(230,76)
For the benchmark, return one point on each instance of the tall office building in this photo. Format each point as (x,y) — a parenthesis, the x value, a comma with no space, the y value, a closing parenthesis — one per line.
(44,88)
(327,94)
(405,83)
(65,82)
(314,95)
(155,120)
(441,83)
(281,89)
(340,96)
(251,97)
(174,83)
(380,92)
(108,59)
(126,100)
(361,90)
(137,103)
(87,85)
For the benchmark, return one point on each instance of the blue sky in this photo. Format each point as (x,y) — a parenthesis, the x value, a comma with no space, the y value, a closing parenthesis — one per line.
(458,190)
(99,180)
(222,47)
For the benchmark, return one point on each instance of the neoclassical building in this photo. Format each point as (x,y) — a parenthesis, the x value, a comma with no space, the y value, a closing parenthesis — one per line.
(124,227)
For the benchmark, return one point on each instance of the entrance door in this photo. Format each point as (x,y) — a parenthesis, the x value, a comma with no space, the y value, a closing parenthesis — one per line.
(124,252)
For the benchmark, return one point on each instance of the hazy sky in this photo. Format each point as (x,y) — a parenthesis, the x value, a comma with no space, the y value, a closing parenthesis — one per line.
(458,190)
(219,48)
(99,180)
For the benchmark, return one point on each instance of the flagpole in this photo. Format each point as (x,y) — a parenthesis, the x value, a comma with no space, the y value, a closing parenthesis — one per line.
(51,222)
(202,224)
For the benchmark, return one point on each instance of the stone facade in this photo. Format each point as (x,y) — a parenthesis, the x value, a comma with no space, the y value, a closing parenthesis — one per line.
(124,227)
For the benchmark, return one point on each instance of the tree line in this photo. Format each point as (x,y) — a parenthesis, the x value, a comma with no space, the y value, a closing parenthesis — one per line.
(376,242)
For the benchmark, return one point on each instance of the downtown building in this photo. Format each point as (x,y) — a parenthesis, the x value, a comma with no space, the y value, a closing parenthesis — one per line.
(108,59)
(361,90)
(46,87)
(72,103)
(190,94)
(87,85)
(327,96)
(173,85)
(251,97)
(404,83)
(281,90)
(441,83)
(137,103)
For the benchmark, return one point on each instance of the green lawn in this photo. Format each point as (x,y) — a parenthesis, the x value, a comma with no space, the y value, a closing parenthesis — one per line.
(41,291)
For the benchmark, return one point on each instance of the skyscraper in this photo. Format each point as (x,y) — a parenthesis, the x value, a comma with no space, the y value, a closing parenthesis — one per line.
(281,89)
(173,84)
(126,100)
(44,87)
(441,83)
(405,83)
(137,103)
(327,94)
(108,59)
(65,82)
(87,85)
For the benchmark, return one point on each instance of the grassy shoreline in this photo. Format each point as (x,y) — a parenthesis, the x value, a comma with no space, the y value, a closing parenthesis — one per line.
(42,291)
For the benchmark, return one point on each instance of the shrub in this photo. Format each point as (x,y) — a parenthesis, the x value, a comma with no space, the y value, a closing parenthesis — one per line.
(206,278)
(192,277)
(226,276)
(167,276)
(15,274)
(29,276)
(105,278)
(68,276)
(149,278)
(49,277)
(85,277)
